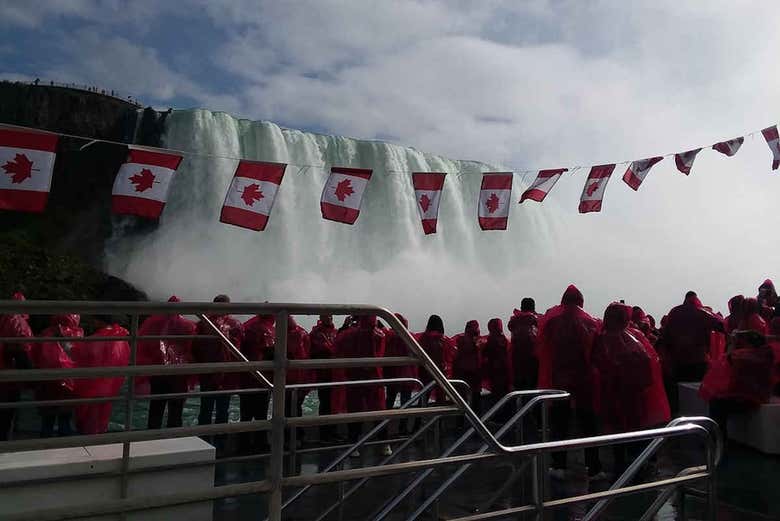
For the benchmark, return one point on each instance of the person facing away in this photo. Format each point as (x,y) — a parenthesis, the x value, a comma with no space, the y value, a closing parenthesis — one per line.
(736,306)
(13,356)
(524,329)
(467,365)
(630,394)
(751,317)
(364,341)
(323,344)
(774,343)
(395,347)
(497,360)
(215,409)
(257,344)
(767,298)
(166,352)
(438,347)
(566,337)
(56,355)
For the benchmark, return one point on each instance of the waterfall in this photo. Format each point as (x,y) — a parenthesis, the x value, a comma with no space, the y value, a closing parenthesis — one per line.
(460,273)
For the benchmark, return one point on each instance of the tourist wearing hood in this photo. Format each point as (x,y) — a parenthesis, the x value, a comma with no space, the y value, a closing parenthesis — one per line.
(323,344)
(566,335)
(257,344)
(214,350)
(364,341)
(736,312)
(439,348)
(741,380)
(627,371)
(166,352)
(298,348)
(467,365)
(395,347)
(767,299)
(56,355)
(751,317)
(13,356)
(686,344)
(497,370)
(524,327)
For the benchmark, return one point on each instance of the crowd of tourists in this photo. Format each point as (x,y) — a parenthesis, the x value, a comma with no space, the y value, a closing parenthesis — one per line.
(621,370)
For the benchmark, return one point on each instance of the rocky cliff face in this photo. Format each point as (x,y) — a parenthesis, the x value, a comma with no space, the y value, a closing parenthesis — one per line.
(58,254)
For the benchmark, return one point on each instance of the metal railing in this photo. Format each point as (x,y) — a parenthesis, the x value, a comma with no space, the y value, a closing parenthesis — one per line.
(276,481)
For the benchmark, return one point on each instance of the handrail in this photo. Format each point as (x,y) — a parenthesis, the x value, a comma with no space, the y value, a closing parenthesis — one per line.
(666,494)
(648,452)
(537,397)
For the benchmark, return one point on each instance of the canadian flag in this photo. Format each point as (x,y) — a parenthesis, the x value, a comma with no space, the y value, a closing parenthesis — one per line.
(773,140)
(27,163)
(544,182)
(684,160)
(596,184)
(638,170)
(141,186)
(729,147)
(250,198)
(427,192)
(494,198)
(343,194)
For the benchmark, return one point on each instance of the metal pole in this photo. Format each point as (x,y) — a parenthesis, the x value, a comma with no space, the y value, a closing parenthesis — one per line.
(278,420)
(712,484)
(293,431)
(129,407)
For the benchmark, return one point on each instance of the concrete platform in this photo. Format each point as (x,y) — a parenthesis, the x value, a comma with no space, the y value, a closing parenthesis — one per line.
(759,429)
(57,465)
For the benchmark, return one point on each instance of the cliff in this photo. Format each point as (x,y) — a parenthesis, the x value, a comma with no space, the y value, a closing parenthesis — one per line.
(59,254)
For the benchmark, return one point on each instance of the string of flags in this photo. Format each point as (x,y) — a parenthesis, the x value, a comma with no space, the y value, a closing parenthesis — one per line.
(143,182)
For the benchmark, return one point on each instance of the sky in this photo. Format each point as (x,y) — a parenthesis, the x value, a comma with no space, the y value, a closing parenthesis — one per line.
(538,84)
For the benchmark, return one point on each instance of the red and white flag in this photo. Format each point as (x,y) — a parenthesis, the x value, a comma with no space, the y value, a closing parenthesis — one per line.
(494,198)
(26,167)
(684,160)
(141,186)
(427,192)
(251,196)
(638,170)
(593,192)
(773,140)
(343,193)
(729,147)
(544,182)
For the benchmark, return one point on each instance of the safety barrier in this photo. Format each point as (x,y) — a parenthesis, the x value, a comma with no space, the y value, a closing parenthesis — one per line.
(276,481)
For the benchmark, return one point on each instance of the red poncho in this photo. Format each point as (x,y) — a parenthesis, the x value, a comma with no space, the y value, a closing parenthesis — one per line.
(298,348)
(395,347)
(525,332)
(468,352)
(566,334)
(52,355)
(440,348)
(627,371)
(745,374)
(214,350)
(93,418)
(687,334)
(364,341)
(497,359)
(257,345)
(14,355)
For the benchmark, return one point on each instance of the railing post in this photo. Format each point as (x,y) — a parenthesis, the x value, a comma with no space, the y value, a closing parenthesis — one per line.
(278,420)
(129,406)
(712,483)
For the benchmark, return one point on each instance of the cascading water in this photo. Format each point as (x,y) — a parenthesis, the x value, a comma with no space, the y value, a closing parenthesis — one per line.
(384,259)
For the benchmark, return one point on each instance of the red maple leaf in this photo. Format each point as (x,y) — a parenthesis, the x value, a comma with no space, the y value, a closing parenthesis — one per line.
(252,193)
(344,189)
(492,203)
(425,202)
(592,188)
(20,169)
(143,180)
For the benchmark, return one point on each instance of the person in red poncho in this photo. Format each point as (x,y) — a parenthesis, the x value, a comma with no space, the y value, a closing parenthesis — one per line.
(94,418)
(323,339)
(54,355)
(12,356)
(364,341)
(525,330)
(686,344)
(630,393)
(214,350)
(438,346)
(767,299)
(395,347)
(166,352)
(739,381)
(497,361)
(566,336)
(256,345)
(736,306)
(774,343)
(298,348)
(751,317)
(467,365)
